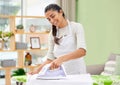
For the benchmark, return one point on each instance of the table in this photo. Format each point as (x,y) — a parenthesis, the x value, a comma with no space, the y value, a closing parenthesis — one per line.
(82,79)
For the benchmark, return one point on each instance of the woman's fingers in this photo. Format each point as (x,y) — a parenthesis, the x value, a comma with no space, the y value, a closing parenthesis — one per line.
(54,66)
(33,72)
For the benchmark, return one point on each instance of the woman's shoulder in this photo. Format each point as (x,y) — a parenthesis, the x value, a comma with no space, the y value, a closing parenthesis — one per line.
(76,25)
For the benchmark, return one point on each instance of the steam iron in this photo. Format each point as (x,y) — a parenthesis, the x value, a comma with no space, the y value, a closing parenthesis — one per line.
(46,73)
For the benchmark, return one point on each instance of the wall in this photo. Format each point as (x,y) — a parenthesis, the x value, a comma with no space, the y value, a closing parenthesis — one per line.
(101,21)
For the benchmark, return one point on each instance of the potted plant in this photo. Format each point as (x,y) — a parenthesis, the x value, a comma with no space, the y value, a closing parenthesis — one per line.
(19,76)
(19,72)
(20,28)
(4,38)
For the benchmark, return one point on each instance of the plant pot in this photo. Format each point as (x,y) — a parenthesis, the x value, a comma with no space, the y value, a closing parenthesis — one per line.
(20,30)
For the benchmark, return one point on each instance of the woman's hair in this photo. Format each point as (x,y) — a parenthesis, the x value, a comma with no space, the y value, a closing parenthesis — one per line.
(57,8)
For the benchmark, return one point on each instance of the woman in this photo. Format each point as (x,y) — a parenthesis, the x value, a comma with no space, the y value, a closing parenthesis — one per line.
(66,43)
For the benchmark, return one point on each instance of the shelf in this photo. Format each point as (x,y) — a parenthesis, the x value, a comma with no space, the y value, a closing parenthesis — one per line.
(8,16)
(32,49)
(16,67)
(25,35)
(44,32)
(17,50)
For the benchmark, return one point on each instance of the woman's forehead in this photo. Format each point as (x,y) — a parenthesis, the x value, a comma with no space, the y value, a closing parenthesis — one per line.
(50,12)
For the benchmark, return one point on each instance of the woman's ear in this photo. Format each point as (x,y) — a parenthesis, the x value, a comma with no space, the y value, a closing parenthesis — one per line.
(61,12)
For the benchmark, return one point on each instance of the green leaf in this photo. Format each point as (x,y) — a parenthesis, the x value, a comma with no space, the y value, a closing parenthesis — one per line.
(19,71)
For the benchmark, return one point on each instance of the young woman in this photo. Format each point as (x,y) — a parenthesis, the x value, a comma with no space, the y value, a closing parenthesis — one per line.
(66,43)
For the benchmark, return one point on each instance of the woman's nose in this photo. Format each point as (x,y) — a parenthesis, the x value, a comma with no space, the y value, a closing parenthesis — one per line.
(52,21)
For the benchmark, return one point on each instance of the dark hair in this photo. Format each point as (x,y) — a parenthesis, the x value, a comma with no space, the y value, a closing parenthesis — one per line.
(57,8)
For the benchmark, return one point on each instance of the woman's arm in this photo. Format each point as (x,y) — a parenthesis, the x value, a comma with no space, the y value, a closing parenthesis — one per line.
(40,67)
(73,55)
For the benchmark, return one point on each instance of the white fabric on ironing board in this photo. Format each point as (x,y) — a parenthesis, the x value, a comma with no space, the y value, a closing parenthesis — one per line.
(82,79)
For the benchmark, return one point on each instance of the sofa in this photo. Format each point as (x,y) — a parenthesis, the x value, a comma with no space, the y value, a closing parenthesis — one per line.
(104,79)
(97,69)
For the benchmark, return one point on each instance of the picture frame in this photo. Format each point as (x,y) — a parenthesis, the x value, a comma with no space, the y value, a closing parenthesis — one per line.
(35,42)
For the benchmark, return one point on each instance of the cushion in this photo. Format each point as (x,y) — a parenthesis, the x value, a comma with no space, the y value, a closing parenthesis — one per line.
(109,68)
(112,56)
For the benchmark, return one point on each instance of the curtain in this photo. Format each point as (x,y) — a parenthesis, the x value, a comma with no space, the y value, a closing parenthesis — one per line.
(69,8)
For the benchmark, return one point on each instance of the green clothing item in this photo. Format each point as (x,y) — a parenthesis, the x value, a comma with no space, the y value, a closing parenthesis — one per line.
(106,80)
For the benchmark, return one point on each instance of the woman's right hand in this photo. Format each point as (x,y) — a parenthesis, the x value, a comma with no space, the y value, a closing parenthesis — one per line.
(33,72)
(40,67)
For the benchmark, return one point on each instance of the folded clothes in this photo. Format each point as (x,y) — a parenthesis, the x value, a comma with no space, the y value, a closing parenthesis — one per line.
(46,72)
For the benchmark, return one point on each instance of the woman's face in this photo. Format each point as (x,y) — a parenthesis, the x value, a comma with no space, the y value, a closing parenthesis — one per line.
(55,17)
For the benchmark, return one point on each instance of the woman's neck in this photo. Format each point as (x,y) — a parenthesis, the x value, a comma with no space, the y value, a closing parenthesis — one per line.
(64,23)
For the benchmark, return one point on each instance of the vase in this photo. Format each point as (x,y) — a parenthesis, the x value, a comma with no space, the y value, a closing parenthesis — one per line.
(6,45)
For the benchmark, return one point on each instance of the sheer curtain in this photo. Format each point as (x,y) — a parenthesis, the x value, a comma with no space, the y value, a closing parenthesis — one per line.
(69,8)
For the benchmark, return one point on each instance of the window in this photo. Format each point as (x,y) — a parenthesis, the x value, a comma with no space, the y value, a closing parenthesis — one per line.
(35,7)
(22,7)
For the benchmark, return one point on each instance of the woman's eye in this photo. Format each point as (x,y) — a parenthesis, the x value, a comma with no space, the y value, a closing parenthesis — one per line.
(48,19)
(52,16)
